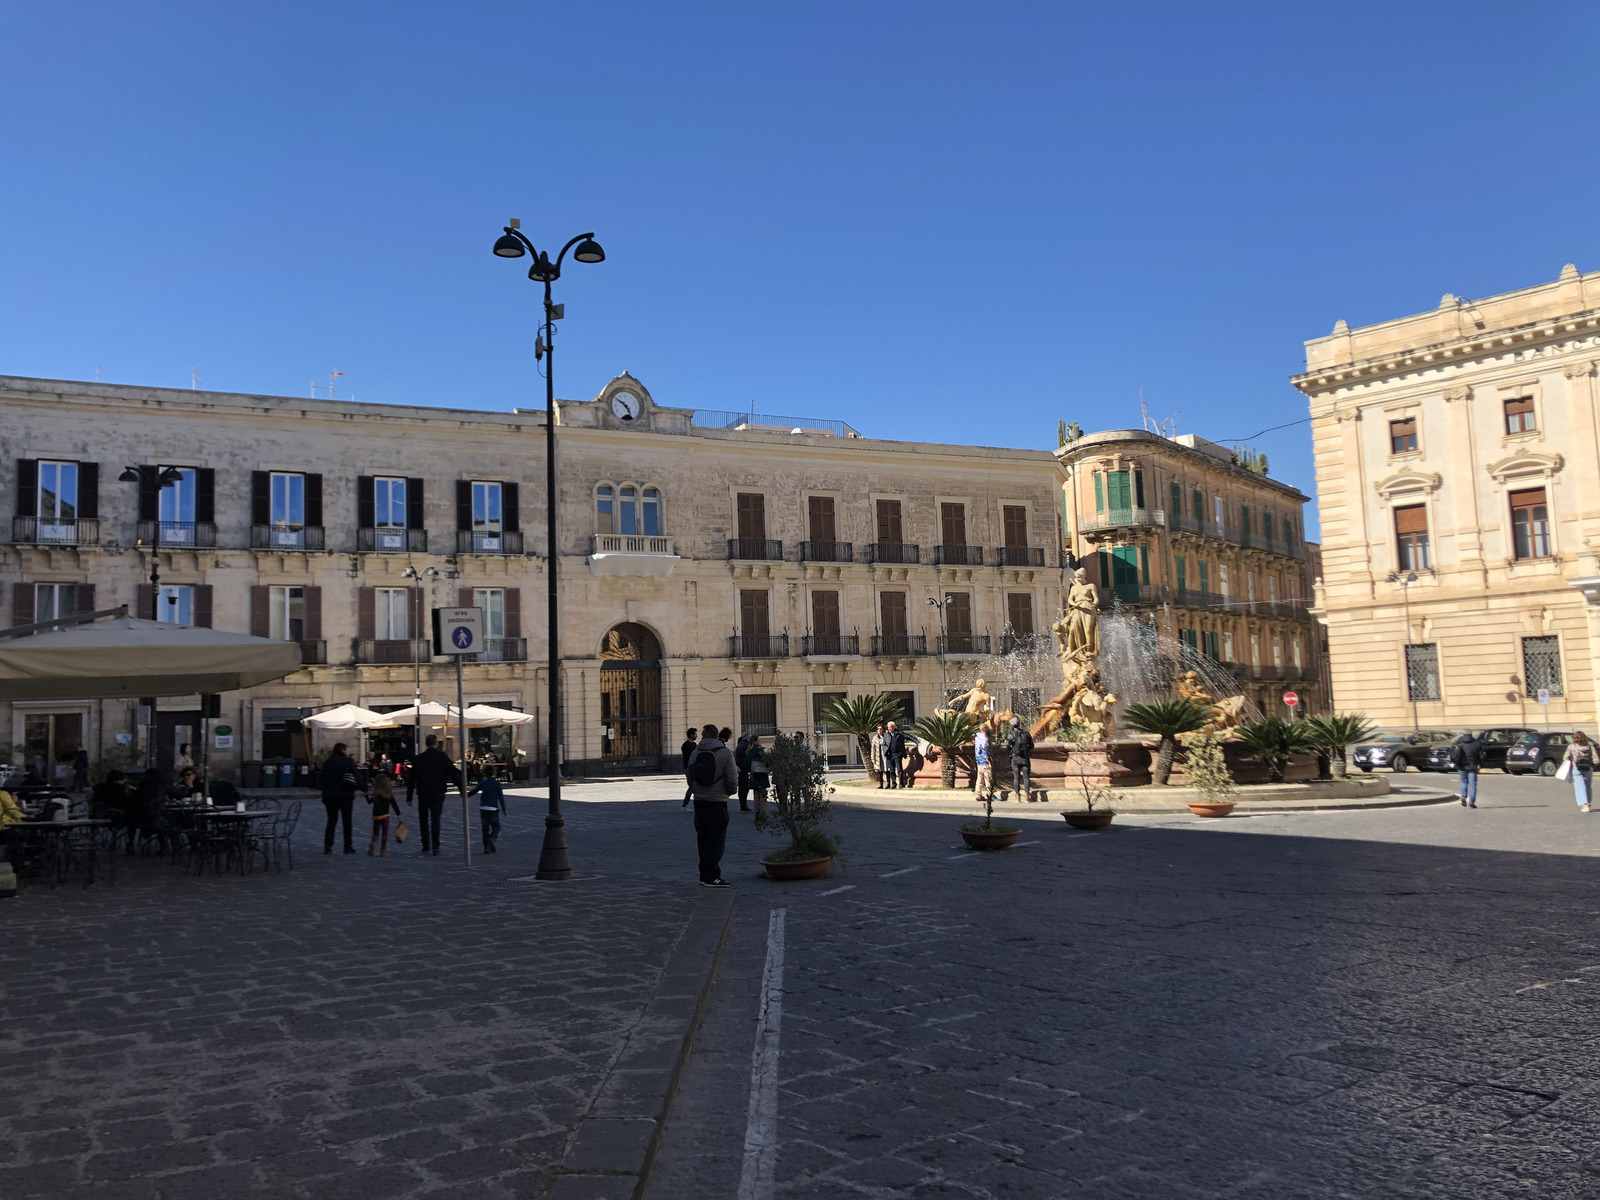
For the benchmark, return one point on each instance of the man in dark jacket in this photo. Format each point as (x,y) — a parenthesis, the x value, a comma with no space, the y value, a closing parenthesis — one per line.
(690,741)
(432,773)
(340,782)
(1466,756)
(1020,743)
(743,765)
(894,753)
(712,778)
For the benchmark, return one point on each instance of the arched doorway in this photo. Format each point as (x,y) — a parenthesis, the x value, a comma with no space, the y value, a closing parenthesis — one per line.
(630,692)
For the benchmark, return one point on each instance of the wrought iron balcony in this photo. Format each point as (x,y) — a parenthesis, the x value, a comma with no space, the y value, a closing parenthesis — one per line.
(964,644)
(198,534)
(824,644)
(502,649)
(1121,518)
(313,654)
(838,552)
(1180,523)
(759,645)
(899,645)
(1019,556)
(958,556)
(900,553)
(759,549)
(37,531)
(1133,594)
(390,540)
(1010,642)
(1194,598)
(470,541)
(378,651)
(276,537)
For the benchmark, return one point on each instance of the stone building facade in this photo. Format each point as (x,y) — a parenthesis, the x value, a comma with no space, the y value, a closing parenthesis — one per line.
(1458,477)
(745,576)
(1176,532)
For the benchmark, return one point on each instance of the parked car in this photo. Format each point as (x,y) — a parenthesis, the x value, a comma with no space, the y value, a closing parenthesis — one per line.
(1398,750)
(1493,745)
(1539,752)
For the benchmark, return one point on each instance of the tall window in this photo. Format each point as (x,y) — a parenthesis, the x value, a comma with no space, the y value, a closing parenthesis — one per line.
(1190,638)
(1177,498)
(1422,671)
(1227,648)
(287,614)
(825,614)
(1209,646)
(491,602)
(1411,534)
(1181,566)
(1019,613)
(1222,578)
(1299,660)
(177,501)
(1519,415)
(1266,526)
(1199,505)
(1541,665)
(1530,523)
(288,501)
(754,620)
(58,493)
(958,614)
(1272,588)
(1255,650)
(892,614)
(1014,518)
(1402,435)
(176,604)
(486,513)
(1250,586)
(890,530)
(52,600)
(1205,576)
(1277,651)
(758,714)
(820,519)
(752,514)
(1217,504)
(628,510)
(953,524)
(391,617)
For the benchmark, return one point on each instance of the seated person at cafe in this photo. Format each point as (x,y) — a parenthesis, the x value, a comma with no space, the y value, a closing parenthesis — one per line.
(110,799)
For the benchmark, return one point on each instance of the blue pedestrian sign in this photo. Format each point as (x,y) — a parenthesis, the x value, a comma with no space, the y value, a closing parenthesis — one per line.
(457,630)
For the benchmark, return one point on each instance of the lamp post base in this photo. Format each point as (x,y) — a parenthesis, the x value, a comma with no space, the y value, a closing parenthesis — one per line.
(554,862)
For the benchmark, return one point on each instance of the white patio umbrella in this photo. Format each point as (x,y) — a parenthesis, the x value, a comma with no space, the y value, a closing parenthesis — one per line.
(347,716)
(435,716)
(125,657)
(482,715)
(430,714)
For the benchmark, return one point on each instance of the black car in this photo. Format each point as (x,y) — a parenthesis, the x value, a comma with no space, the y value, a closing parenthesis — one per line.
(1493,745)
(1541,752)
(1399,750)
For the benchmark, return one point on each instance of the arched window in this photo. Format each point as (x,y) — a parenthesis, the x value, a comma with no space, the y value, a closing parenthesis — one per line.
(652,512)
(605,509)
(628,509)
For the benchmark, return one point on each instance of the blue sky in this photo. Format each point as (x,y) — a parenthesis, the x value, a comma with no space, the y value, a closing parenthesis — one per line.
(939,221)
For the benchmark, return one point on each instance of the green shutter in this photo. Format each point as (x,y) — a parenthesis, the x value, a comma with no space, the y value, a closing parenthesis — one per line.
(1105,568)
(1177,499)
(1099,494)
(1205,576)
(1182,565)
(1199,506)
(1119,491)
(1144,565)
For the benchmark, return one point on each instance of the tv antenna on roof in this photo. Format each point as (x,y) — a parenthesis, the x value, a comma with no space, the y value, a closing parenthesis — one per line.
(1167,427)
(317,387)
(194,379)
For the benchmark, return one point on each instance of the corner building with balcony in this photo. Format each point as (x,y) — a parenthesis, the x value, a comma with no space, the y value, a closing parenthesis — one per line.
(713,567)
(1178,534)
(1458,477)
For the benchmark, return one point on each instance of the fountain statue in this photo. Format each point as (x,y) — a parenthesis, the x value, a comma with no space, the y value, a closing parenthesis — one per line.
(1084,699)
(980,707)
(1224,715)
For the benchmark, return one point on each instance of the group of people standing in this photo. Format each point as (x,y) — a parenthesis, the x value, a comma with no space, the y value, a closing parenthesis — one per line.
(429,782)
(893,754)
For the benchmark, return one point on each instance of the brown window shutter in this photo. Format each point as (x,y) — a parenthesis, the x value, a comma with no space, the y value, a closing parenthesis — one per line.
(313,614)
(27,497)
(509,520)
(464,598)
(419,613)
(205,496)
(1528,498)
(1016,525)
(260,612)
(1411,519)
(513,612)
(85,598)
(463,504)
(366,614)
(22,604)
(202,605)
(145,598)
(89,490)
(261,498)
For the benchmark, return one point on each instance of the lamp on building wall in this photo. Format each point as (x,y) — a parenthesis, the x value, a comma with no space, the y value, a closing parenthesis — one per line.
(165,477)
(1405,581)
(411,572)
(554,861)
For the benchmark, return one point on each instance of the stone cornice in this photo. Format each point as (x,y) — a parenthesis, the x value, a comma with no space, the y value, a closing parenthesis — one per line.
(1408,483)
(1525,464)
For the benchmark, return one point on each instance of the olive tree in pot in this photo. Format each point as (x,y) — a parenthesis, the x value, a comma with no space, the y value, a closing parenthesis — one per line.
(989,836)
(1168,720)
(861,715)
(1090,816)
(948,732)
(1335,734)
(798,808)
(1208,773)
(1271,741)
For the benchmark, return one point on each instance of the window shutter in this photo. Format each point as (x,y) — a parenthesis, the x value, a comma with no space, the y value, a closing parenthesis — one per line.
(1144,565)
(314,500)
(513,608)
(205,500)
(1411,519)
(366,608)
(508,509)
(1177,498)
(414,510)
(1138,489)
(464,598)
(1099,493)
(366,503)
(463,503)
(149,496)
(202,605)
(261,501)
(260,610)
(27,496)
(85,598)
(419,613)
(312,613)
(144,601)
(89,490)
(1527,499)
(22,604)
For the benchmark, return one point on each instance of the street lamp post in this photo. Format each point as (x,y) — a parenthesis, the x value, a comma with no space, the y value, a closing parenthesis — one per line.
(411,572)
(1405,581)
(554,861)
(944,687)
(165,477)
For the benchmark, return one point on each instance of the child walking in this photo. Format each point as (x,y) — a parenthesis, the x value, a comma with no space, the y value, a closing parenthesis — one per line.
(491,804)
(383,804)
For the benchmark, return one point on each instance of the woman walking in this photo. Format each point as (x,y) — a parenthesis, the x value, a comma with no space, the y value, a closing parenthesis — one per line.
(760,772)
(1579,759)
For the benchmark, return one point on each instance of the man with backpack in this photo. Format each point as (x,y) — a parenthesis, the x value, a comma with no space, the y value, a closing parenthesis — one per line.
(712,778)
(1466,756)
(1020,744)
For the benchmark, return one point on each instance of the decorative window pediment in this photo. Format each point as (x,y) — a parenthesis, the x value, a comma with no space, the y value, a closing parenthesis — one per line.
(1525,464)
(1408,483)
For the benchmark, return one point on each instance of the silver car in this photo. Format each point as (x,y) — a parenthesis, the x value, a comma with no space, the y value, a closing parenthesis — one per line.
(1400,749)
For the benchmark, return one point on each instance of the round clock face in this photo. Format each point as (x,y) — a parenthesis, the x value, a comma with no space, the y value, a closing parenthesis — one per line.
(626,405)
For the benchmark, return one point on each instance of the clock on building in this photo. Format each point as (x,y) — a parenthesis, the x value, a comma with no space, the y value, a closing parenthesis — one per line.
(626,405)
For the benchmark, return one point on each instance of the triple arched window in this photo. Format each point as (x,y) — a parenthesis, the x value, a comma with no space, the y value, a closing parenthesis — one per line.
(628,508)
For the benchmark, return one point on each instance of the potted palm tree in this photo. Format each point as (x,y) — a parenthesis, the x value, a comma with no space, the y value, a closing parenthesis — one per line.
(1208,773)
(947,732)
(1168,720)
(799,807)
(1271,741)
(1336,733)
(861,715)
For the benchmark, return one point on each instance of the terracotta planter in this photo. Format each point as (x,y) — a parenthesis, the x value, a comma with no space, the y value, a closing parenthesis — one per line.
(995,840)
(1203,809)
(1088,820)
(805,868)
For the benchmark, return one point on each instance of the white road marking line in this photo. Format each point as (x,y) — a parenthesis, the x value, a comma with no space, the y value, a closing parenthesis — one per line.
(837,890)
(901,871)
(1016,844)
(758,1178)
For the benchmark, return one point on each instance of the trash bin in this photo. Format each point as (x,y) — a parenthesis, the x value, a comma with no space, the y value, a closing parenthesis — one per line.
(251,774)
(286,773)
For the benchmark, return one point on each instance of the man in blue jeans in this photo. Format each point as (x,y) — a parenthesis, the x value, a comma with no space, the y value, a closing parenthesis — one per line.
(1466,756)
(433,773)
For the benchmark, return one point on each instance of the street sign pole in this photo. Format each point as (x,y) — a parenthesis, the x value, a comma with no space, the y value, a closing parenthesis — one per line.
(1291,699)
(466,824)
(456,632)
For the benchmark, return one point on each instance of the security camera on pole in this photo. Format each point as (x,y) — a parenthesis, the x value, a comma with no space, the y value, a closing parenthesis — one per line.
(458,631)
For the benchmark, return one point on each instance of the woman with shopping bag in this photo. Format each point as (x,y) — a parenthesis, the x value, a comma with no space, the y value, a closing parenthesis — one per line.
(1577,764)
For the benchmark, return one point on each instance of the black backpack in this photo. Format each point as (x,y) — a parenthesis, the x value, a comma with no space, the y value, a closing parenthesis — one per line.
(1023,746)
(703,768)
(1458,756)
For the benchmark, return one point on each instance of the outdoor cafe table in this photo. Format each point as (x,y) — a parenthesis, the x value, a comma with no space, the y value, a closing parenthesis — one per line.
(235,823)
(58,847)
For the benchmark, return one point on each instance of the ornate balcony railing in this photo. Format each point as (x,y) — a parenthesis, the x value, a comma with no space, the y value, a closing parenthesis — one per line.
(839,552)
(502,649)
(759,549)
(899,645)
(276,537)
(830,644)
(632,543)
(313,654)
(1121,518)
(470,541)
(1133,594)
(894,553)
(1019,556)
(36,531)
(964,643)
(392,650)
(198,534)
(958,556)
(390,540)
(759,645)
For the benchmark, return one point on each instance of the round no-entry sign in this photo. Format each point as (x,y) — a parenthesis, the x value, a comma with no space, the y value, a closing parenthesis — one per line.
(1291,699)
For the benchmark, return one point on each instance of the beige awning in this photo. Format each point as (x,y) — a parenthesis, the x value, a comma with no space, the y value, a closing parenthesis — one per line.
(125,658)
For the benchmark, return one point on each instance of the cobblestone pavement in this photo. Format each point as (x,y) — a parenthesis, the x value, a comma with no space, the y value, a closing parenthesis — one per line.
(1395,1003)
